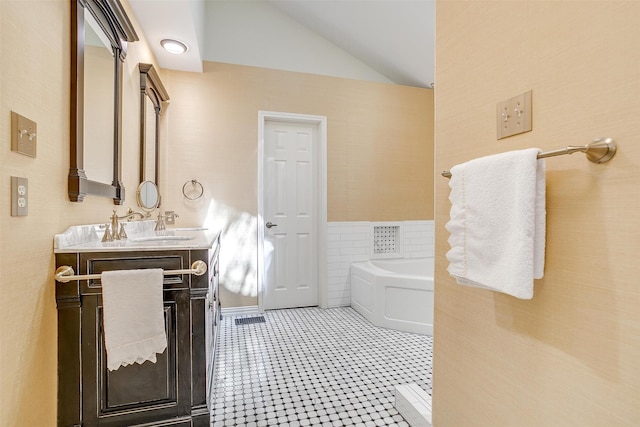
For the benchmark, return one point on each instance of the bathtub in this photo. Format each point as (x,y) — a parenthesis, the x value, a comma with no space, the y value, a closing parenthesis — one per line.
(395,294)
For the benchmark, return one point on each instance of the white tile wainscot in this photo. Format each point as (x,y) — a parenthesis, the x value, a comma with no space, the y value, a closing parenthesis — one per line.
(350,241)
(346,242)
(419,239)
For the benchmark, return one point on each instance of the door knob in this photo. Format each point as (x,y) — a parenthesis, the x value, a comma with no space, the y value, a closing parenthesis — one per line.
(270,224)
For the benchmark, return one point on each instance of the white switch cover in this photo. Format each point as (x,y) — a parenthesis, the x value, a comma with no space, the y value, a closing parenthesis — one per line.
(19,196)
(514,115)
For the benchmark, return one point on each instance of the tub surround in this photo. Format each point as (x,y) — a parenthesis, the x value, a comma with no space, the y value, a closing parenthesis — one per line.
(351,241)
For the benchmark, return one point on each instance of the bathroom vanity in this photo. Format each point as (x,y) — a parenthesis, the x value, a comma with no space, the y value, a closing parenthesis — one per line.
(174,391)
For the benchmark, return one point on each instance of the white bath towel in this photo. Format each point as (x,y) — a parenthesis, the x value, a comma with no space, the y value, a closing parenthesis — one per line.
(498,222)
(133,316)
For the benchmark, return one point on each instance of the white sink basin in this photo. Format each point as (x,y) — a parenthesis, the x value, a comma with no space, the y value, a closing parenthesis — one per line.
(188,229)
(160,238)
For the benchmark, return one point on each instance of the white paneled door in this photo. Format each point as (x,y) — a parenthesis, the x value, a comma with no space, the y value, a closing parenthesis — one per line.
(290,206)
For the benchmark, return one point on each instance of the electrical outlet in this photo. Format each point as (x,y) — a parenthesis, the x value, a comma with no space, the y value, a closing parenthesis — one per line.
(24,135)
(19,196)
(514,115)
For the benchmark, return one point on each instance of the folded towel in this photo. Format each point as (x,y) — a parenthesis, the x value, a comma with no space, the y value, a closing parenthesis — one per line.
(497,225)
(133,316)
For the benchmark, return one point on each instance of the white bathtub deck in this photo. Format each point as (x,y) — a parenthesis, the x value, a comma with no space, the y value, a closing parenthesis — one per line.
(395,294)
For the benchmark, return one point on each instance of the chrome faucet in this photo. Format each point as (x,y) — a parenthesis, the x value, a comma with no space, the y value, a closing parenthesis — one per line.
(117,230)
(114,226)
(131,213)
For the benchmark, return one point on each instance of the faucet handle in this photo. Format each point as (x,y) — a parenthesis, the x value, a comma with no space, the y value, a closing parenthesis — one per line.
(107,237)
(122,234)
(160,223)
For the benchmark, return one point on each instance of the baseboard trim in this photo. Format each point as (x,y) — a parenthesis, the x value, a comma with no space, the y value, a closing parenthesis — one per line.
(240,311)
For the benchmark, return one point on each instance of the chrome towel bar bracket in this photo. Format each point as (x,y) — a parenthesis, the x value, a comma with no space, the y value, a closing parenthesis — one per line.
(601,150)
(65,273)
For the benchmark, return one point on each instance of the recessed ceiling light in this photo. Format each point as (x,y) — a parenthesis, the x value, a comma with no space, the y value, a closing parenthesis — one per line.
(174,46)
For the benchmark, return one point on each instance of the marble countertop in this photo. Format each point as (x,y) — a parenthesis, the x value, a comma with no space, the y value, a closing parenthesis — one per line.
(141,237)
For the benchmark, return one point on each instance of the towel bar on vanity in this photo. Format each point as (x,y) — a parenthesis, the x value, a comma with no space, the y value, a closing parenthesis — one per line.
(601,150)
(65,273)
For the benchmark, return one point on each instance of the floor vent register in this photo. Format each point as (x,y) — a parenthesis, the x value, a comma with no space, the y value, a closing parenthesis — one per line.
(250,320)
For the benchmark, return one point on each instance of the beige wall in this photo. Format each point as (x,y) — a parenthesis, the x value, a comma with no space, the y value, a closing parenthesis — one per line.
(213,140)
(570,356)
(380,149)
(34,81)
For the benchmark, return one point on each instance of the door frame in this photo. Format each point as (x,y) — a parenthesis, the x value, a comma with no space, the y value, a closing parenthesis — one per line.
(320,122)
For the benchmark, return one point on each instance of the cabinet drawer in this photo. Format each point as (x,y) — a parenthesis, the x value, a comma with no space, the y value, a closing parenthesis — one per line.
(97,263)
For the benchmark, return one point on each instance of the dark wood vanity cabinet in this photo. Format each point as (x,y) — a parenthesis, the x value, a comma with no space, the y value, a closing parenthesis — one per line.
(171,392)
(213,315)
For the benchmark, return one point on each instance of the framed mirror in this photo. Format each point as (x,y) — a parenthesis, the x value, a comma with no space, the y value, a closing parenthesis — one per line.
(100,31)
(153,95)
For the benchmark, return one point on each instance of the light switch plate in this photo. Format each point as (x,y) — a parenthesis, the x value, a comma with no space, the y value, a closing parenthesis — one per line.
(24,135)
(19,196)
(514,115)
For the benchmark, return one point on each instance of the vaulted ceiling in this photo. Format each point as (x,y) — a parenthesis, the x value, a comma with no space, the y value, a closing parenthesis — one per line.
(381,40)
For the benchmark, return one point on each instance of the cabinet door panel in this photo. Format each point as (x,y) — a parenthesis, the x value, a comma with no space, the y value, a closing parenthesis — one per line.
(198,352)
(140,393)
(141,384)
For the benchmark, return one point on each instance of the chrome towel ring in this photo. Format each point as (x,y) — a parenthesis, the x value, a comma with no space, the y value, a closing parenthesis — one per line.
(192,190)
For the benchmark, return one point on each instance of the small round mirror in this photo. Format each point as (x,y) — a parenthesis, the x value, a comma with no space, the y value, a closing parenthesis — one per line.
(148,195)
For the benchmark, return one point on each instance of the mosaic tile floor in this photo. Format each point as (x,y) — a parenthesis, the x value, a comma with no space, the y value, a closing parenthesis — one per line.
(309,366)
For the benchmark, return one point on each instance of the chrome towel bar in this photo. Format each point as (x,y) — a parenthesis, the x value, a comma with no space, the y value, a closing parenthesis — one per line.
(65,273)
(601,150)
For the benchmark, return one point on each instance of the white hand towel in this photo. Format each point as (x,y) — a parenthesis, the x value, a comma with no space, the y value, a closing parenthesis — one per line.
(498,222)
(133,316)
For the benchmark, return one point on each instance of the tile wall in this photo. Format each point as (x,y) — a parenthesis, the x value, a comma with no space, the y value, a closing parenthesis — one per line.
(349,242)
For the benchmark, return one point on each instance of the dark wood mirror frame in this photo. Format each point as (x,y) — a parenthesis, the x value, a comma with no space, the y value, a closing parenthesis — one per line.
(150,86)
(116,26)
